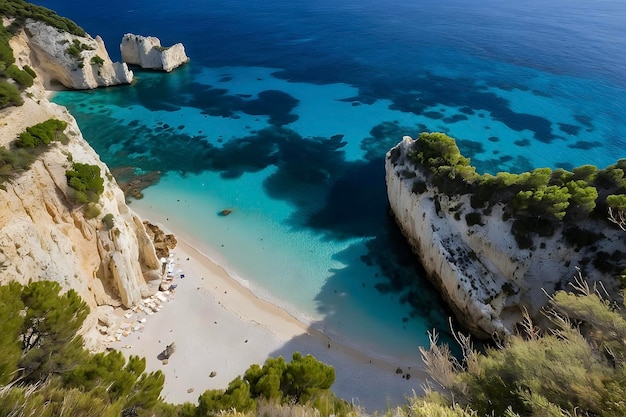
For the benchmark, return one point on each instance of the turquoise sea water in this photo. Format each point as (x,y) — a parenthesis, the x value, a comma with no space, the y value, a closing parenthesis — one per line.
(286,110)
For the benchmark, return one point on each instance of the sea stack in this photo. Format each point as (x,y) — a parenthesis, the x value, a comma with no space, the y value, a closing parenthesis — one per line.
(147,52)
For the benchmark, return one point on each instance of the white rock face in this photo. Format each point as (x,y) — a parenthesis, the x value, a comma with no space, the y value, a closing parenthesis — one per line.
(480,270)
(147,52)
(93,67)
(45,236)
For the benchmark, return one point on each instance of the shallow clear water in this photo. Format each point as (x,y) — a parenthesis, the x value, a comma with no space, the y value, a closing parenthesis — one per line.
(287,109)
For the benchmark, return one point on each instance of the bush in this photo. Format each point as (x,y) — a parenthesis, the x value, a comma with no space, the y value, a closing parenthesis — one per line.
(616,202)
(86,180)
(548,196)
(577,368)
(96,60)
(419,187)
(109,221)
(21,10)
(92,211)
(9,95)
(236,396)
(21,77)
(73,51)
(25,149)
(41,134)
(30,71)
(473,219)
(6,53)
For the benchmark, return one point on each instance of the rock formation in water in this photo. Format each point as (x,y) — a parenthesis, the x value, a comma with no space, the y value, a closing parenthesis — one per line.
(75,62)
(147,52)
(44,233)
(474,259)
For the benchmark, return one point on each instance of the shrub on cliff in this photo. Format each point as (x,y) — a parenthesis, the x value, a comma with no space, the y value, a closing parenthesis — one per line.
(617,202)
(29,144)
(9,95)
(542,195)
(22,10)
(108,221)
(86,180)
(23,78)
(92,211)
(76,48)
(13,162)
(42,134)
(440,155)
(96,60)
(30,71)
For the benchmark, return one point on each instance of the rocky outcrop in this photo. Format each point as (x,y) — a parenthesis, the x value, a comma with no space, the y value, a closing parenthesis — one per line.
(479,269)
(163,243)
(147,52)
(45,234)
(73,61)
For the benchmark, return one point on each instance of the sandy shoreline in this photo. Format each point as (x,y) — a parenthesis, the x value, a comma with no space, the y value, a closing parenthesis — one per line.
(220,326)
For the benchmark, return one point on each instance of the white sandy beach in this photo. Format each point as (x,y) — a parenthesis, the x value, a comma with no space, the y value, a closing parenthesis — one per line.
(220,326)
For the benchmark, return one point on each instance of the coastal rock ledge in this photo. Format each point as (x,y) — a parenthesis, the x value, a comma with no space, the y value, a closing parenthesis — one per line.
(479,269)
(147,52)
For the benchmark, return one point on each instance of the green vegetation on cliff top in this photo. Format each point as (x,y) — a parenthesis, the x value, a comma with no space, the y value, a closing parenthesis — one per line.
(542,193)
(13,80)
(536,200)
(25,149)
(22,10)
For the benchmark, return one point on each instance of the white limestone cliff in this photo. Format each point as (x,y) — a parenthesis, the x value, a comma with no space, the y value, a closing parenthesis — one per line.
(479,270)
(147,52)
(45,235)
(48,50)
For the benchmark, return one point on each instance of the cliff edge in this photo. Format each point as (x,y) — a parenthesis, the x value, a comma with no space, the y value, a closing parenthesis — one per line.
(46,235)
(76,62)
(473,258)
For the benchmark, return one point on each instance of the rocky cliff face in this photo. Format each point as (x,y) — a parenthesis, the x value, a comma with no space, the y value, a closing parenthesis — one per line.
(485,278)
(72,61)
(148,53)
(45,235)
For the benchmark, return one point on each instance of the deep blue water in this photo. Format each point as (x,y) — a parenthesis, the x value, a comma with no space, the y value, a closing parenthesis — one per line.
(288,107)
